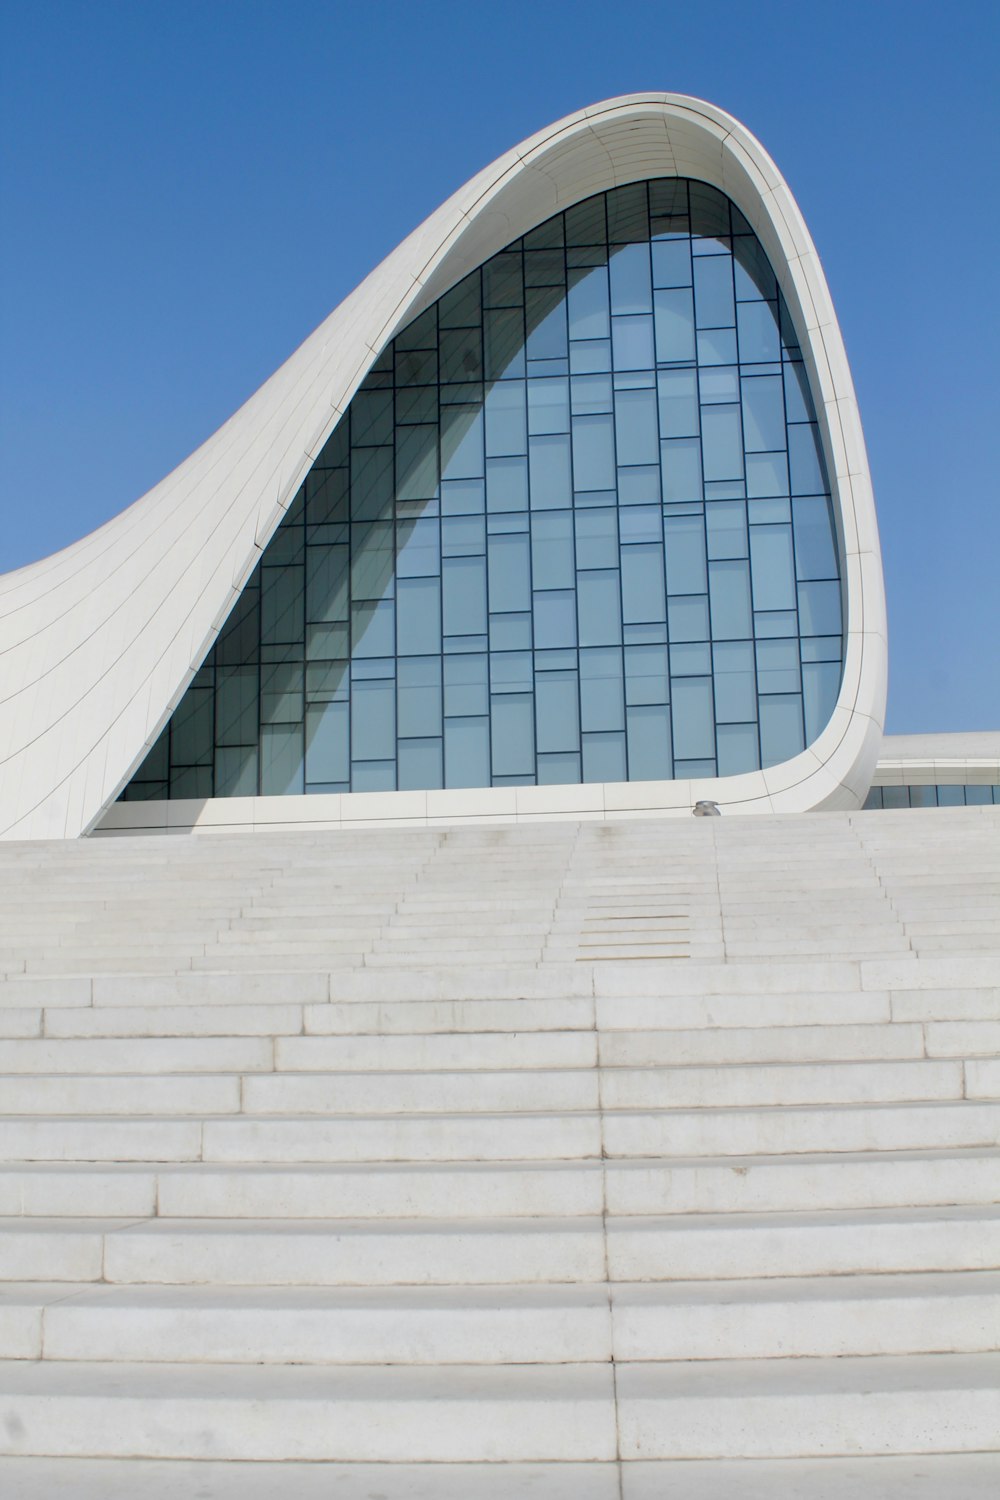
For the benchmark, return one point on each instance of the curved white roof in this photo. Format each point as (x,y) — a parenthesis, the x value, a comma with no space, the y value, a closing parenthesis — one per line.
(99,641)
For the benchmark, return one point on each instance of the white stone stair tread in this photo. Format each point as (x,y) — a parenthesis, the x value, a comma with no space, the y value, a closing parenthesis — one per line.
(311,1325)
(359,1413)
(937,1476)
(801,1407)
(157,1479)
(808,1317)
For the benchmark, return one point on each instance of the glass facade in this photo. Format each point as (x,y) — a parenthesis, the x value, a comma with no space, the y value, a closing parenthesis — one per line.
(943,795)
(575,526)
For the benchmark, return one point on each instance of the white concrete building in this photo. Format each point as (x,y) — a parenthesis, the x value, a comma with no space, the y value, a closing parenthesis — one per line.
(377,1148)
(580,461)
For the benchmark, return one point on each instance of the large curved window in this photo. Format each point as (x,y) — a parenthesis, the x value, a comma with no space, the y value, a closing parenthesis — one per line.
(575,526)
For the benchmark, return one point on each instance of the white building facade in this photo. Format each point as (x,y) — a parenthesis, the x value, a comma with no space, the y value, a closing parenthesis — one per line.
(565,511)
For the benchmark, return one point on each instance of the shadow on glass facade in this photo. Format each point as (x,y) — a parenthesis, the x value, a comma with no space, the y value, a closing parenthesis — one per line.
(575,526)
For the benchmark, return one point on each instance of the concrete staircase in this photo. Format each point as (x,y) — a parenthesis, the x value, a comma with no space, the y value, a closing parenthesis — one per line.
(578,1161)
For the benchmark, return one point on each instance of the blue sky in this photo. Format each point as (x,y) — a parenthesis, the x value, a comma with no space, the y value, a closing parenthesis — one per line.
(188,187)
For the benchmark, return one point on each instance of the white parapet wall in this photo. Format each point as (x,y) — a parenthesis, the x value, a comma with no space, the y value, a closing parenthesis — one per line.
(971,759)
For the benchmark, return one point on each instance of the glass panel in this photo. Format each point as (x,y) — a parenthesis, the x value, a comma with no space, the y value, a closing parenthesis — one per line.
(649,743)
(643,596)
(721,442)
(587,301)
(804,460)
(674,314)
(552,560)
(557,708)
(684,541)
(418,697)
(636,428)
(604,757)
(420,765)
(820,686)
(693,718)
(512,734)
(328,749)
(548,405)
(757,331)
(510,572)
(631,287)
(632,343)
(599,609)
(596,538)
(463,587)
(281,771)
(506,429)
(815,548)
(729,591)
(735,683)
(373,720)
(713,292)
(763,413)
(819,608)
(593,453)
(646,679)
(738,751)
(602,702)
(555,618)
(773,567)
(550,473)
(781,734)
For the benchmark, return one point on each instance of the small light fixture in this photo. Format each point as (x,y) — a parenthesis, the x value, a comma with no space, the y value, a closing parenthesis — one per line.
(706,810)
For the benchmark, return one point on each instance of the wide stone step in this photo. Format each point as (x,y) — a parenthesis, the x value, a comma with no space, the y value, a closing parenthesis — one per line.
(714,1409)
(522,1136)
(963,1476)
(386,1252)
(552,1324)
(506,1189)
